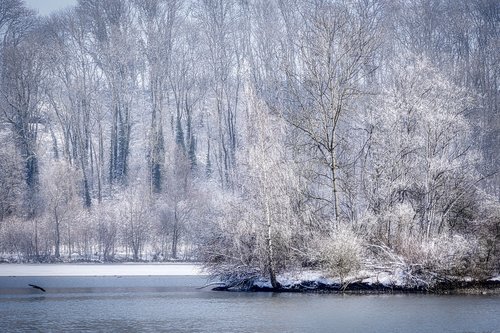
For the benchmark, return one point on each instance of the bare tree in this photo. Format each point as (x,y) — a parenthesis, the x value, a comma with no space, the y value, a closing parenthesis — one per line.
(61,204)
(11,179)
(114,51)
(421,153)
(71,95)
(336,43)
(158,22)
(22,74)
(135,220)
(218,20)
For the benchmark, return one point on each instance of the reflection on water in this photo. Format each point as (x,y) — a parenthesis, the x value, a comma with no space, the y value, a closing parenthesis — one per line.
(174,304)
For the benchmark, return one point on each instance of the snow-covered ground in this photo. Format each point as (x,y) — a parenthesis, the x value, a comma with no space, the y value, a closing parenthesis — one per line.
(296,278)
(315,279)
(100,269)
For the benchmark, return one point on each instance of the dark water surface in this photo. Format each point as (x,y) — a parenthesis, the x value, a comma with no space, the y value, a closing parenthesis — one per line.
(174,304)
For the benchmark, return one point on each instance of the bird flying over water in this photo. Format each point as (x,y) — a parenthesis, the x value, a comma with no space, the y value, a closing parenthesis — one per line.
(37,287)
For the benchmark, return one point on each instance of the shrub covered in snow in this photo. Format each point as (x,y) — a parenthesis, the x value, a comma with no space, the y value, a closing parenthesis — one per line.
(426,262)
(448,255)
(341,253)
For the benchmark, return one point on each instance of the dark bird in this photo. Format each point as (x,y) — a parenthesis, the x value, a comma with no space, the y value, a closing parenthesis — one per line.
(36,287)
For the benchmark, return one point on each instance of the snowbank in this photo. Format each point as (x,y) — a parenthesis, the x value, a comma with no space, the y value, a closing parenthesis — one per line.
(100,269)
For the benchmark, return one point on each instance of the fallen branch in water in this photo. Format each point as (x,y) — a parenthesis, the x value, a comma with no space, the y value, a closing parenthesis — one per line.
(212,284)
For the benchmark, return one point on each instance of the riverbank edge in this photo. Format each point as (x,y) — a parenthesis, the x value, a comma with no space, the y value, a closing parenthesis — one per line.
(483,287)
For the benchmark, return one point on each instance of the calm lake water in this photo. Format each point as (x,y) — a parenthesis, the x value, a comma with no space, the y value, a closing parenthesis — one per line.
(174,304)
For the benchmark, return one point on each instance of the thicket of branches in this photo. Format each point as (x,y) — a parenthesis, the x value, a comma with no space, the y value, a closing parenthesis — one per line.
(258,136)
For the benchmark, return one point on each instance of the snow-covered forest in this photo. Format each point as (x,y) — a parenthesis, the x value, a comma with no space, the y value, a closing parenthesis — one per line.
(258,136)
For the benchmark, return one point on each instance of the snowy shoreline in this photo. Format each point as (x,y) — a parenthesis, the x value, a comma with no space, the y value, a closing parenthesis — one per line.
(315,282)
(476,287)
(303,282)
(92,269)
